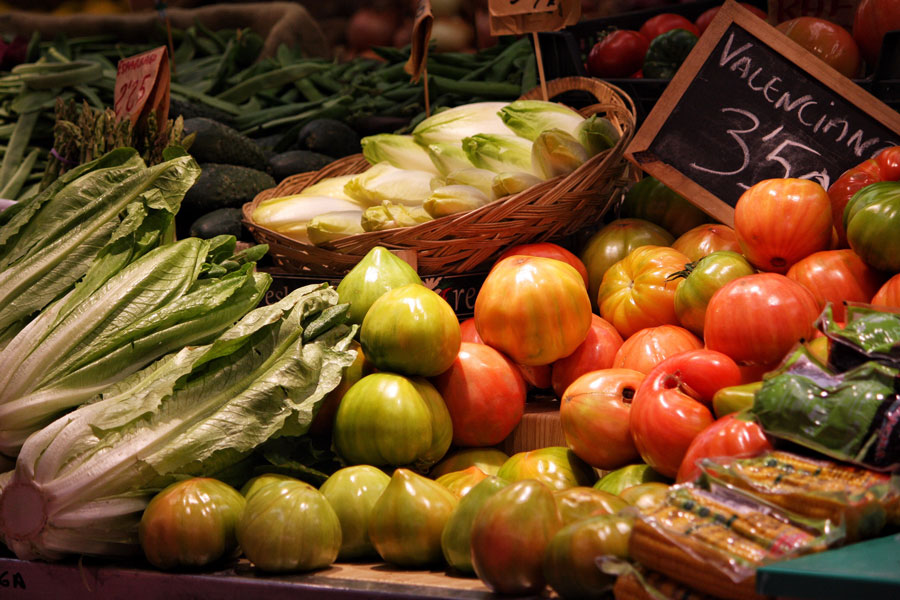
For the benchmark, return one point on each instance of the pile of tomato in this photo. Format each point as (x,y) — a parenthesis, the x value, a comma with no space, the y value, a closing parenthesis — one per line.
(622,53)
(648,335)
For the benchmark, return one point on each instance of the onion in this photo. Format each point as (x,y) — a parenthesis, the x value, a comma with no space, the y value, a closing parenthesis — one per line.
(369,27)
(445,8)
(451,34)
(483,29)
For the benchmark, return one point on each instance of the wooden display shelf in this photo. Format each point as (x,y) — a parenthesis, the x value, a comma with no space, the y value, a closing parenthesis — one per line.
(90,579)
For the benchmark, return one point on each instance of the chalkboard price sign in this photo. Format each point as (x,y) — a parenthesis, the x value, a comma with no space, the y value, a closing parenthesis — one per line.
(749,104)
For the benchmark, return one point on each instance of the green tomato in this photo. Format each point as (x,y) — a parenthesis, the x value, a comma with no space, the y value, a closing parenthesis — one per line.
(652,200)
(616,481)
(570,562)
(191,523)
(579,503)
(613,243)
(289,526)
(456,538)
(408,519)
(872,221)
(555,466)
(383,420)
(704,278)
(411,330)
(352,493)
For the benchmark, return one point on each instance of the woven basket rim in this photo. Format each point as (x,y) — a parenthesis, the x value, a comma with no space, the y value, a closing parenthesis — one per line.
(620,108)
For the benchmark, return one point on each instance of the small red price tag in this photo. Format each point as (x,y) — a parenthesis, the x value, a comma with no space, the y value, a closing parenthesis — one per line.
(142,85)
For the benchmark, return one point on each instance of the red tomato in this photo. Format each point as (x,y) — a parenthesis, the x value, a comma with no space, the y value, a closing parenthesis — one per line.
(672,406)
(520,297)
(537,376)
(884,167)
(830,42)
(664,22)
(548,250)
(594,413)
(874,18)
(597,351)
(468,332)
(836,276)
(635,292)
(484,393)
(704,20)
(779,221)
(758,318)
(706,239)
(730,436)
(889,294)
(620,53)
(652,345)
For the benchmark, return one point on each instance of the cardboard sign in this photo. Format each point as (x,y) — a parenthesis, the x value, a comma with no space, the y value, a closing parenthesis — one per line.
(142,85)
(749,104)
(421,34)
(514,17)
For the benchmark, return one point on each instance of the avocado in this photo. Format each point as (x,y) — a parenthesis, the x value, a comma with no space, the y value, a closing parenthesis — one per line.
(296,161)
(218,143)
(222,221)
(220,186)
(190,110)
(329,137)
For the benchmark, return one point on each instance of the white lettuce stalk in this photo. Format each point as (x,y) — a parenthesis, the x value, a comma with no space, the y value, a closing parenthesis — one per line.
(509,183)
(390,216)
(448,157)
(499,153)
(333,187)
(290,215)
(528,118)
(334,225)
(81,483)
(401,151)
(452,199)
(456,123)
(477,178)
(597,134)
(386,183)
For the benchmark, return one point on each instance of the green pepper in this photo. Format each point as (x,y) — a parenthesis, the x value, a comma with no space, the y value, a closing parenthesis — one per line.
(667,52)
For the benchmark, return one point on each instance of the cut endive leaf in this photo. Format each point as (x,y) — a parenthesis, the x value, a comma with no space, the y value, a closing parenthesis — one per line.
(556,153)
(456,123)
(528,118)
(401,151)
(390,216)
(82,482)
(334,225)
(597,134)
(386,183)
(182,293)
(506,184)
(499,153)
(452,199)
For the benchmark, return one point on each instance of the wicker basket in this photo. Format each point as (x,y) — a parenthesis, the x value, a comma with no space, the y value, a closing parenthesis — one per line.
(461,242)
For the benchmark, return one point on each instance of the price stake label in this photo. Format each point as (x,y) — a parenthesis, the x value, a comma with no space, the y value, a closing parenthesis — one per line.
(514,17)
(142,86)
(507,8)
(421,34)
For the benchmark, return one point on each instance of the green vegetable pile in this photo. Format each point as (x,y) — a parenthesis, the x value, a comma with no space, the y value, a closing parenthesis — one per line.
(220,75)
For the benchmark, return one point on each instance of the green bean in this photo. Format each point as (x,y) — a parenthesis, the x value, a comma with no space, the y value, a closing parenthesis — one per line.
(29,100)
(78,72)
(325,83)
(487,89)
(308,89)
(436,68)
(17,144)
(277,78)
(191,94)
(14,185)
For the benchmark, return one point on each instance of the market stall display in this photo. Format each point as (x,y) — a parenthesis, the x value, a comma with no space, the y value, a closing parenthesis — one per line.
(720,402)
